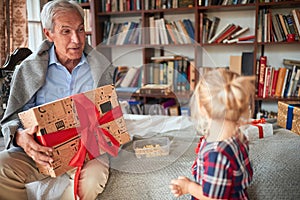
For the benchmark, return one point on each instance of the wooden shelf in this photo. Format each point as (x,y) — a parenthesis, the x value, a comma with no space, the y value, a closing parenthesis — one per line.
(198,12)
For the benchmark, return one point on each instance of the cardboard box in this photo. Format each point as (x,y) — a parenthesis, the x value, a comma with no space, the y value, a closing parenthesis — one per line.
(63,125)
(289,115)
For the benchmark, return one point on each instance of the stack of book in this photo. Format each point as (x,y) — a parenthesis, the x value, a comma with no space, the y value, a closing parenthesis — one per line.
(230,33)
(171,32)
(281,82)
(177,71)
(121,33)
(128,79)
(223,2)
(275,27)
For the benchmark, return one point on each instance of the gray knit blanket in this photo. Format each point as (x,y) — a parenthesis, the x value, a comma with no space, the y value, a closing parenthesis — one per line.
(275,160)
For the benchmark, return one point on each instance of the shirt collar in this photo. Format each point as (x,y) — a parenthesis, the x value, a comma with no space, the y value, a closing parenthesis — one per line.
(53,59)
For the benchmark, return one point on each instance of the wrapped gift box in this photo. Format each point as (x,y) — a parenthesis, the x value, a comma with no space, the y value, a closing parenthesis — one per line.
(289,115)
(84,126)
(257,130)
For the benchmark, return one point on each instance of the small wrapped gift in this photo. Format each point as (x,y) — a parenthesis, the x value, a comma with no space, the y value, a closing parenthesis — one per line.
(257,129)
(289,115)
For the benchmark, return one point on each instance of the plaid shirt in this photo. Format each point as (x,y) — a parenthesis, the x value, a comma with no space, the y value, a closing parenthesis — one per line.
(223,168)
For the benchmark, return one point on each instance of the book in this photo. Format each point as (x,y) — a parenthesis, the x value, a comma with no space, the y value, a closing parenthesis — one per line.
(190,29)
(267,81)
(166,57)
(163,32)
(170,73)
(292,81)
(230,31)
(235,64)
(287,24)
(262,69)
(152,30)
(192,75)
(296,19)
(135,80)
(177,33)
(291,23)
(285,82)
(214,27)
(162,89)
(240,32)
(296,83)
(120,71)
(249,38)
(247,63)
(280,81)
(276,29)
(283,25)
(183,31)
(219,33)
(207,25)
(162,73)
(274,82)
(259,25)
(172,34)
(291,62)
(129,77)
(280,27)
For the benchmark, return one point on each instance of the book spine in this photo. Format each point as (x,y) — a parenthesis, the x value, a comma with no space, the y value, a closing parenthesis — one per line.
(280,81)
(267,82)
(284,83)
(274,82)
(280,27)
(262,69)
(287,83)
(297,82)
(292,81)
(296,20)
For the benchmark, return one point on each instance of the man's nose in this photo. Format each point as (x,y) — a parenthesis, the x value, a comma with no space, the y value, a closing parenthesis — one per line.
(75,37)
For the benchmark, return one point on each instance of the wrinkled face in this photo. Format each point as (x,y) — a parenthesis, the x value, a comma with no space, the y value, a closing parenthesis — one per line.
(68,35)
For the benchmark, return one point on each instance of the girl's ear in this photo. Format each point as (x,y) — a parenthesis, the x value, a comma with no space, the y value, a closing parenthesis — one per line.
(203,111)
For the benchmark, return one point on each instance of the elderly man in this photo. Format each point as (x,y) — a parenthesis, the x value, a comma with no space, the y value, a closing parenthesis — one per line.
(63,65)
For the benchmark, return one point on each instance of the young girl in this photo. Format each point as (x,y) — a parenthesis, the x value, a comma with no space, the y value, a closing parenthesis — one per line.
(222,168)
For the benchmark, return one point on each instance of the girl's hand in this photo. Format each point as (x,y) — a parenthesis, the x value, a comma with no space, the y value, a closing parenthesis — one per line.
(180,186)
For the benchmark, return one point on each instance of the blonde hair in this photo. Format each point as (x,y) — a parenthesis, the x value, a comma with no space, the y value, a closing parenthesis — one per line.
(224,95)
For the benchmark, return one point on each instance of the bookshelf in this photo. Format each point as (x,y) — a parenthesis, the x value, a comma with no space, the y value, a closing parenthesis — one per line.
(203,53)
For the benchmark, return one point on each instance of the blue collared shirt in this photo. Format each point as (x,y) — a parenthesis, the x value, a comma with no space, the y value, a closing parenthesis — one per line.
(61,83)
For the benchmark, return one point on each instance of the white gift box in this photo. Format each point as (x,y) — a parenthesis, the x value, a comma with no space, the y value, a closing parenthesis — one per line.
(257,131)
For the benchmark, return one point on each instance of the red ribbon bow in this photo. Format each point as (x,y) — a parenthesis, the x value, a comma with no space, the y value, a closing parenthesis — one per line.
(260,128)
(92,135)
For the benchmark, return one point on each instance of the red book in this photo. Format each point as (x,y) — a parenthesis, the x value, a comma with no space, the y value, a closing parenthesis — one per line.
(274,82)
(245,38)
(249,37)
(267,82)
(261,78)
(226,34)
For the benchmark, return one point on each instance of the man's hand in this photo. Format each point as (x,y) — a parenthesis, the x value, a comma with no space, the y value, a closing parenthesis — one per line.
(40,154)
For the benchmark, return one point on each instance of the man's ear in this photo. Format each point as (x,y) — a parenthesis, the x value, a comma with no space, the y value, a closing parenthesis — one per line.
(48,34)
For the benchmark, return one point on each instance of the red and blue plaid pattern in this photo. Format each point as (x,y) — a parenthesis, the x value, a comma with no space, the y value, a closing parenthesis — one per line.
(223,168)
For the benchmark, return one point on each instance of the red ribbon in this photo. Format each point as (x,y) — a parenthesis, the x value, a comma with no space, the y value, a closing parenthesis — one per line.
(92,135)
(260,128)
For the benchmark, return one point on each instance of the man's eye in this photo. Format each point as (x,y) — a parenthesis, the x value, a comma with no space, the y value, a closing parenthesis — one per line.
(65,31)
(81,30)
